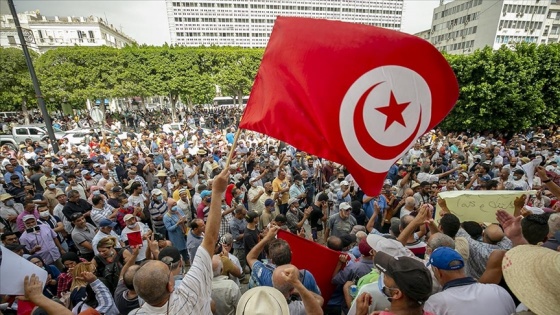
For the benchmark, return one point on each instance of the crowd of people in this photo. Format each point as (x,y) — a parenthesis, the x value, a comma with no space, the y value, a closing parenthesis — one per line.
(164,223)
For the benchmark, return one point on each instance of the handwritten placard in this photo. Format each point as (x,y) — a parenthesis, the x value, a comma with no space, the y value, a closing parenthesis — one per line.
(480,206)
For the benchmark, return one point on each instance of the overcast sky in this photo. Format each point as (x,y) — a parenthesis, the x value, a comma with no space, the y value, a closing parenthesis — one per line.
(146,20)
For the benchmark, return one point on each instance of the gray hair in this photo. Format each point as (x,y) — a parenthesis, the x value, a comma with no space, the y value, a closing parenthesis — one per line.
(441,240)
(554,223)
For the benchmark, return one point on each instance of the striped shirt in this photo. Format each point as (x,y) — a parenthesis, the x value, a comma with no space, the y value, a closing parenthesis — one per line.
(194,293)
(157,211)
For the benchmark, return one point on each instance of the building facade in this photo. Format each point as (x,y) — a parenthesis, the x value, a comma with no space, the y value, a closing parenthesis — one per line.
(248,23)
(462,26)
(48,32)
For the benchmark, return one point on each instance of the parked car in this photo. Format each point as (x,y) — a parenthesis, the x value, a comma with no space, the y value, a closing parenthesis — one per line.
(34,132)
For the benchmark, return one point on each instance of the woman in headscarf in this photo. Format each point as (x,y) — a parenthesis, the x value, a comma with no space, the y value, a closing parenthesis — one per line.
(52,278)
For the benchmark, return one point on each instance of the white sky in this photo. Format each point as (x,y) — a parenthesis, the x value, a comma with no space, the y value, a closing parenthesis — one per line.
(146,20)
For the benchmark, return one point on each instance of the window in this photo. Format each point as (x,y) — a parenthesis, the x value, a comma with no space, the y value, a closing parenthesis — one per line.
(12,40)
(91,34)
(21,131)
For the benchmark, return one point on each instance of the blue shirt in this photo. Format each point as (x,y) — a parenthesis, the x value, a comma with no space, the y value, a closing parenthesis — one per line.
(261,275)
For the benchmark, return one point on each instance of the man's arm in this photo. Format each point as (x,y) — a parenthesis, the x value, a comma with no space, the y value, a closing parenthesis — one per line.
(33,288)
(215,213)
(311,301)
(253,255)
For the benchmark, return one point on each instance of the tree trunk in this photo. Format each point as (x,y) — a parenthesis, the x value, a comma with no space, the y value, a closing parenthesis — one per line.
(24,110)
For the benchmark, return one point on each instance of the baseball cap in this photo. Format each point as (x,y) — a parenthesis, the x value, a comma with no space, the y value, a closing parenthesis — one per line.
(410,275)
(156,192)
(262,300)
(75,216)
(84,172)
(292,200)
(226,239)
(251,215)
(128,217)
(269,202)
(171,252)
(106,223)
(364,247)
(344,206)
(343,183)
(486,177)
(116,189)
(29,216)
(96,165)
(446,258)
(205,193)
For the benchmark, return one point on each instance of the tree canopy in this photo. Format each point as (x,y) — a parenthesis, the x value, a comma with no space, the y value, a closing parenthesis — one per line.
(507,89)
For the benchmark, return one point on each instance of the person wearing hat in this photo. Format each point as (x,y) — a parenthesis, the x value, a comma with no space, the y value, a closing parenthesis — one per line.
(41,240)
(204,206)
(157,209)
(106,229)
(132,226)
(340,223)
(344,194)
(9,211)
(267,214)
(462,294)
(405,281)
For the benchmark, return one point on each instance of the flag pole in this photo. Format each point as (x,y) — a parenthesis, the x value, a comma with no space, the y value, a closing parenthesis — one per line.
(233,147)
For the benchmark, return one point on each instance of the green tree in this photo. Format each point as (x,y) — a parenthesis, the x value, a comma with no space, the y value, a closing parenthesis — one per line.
(16,88)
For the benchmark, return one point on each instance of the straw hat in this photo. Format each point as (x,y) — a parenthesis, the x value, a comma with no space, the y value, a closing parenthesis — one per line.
(161,173)
(6,196)
(532,274)
(262,300)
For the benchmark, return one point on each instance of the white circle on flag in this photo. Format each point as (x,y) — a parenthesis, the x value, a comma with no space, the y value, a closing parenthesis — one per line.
(407,86)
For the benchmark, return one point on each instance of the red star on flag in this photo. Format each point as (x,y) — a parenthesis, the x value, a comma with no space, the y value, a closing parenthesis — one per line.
(393,111)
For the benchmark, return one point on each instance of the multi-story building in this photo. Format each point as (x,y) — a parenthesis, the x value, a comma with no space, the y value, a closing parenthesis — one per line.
(424,34)
(50,32)
(461,26)
(248,23)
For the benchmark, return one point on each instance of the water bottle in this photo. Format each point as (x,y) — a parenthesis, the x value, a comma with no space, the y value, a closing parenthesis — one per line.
(353,291)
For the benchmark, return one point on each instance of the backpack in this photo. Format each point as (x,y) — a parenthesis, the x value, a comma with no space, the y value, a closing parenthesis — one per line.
(109,274)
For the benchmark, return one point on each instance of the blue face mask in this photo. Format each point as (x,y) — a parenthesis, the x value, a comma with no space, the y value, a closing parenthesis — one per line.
(160,198)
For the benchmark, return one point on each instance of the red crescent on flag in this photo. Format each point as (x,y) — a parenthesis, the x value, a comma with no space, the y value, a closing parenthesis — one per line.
(368,143)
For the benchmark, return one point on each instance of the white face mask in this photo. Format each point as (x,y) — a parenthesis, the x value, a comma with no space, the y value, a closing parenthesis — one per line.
(44,214)
(131,226)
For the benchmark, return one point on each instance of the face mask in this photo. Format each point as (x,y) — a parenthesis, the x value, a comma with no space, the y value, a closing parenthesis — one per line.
(52,186)
(9,203)
(340,179)
(131,226)
(241,196)
(96,193)
(62,182)
(44,214)
(381,287)
(158,185)
(174,209)
(160,198)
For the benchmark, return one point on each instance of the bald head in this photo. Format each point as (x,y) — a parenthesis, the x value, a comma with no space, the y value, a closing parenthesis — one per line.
(409,202)
(128,277)
(152,282)
(217,265)
(493,234)
(278,279)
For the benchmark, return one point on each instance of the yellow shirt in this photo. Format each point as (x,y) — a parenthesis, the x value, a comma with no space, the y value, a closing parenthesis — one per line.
(278,185)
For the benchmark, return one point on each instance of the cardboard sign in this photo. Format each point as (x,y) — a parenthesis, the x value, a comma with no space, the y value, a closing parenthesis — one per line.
(13,270)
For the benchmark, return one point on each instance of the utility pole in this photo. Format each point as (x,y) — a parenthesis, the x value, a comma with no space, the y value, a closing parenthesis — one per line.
(36,86)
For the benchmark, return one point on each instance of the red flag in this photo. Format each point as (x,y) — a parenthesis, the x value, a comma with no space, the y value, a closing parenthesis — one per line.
(353,94)
(305,255)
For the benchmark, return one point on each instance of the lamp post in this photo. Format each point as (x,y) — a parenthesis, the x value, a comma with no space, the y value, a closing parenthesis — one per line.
(36,86)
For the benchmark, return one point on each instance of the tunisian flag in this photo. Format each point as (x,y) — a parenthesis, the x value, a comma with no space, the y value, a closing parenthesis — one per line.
(353,94)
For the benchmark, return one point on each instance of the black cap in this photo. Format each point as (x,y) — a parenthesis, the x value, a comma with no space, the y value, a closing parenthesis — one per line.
(116,189)
(347,239)
(171,252)
(410,275)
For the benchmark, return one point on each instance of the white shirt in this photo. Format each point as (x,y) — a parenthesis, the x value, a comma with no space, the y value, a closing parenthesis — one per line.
(476,298)
(194,293)
(143,230)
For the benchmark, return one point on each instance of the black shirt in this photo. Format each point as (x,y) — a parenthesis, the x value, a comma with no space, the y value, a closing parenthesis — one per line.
(315,218)
(70,208)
